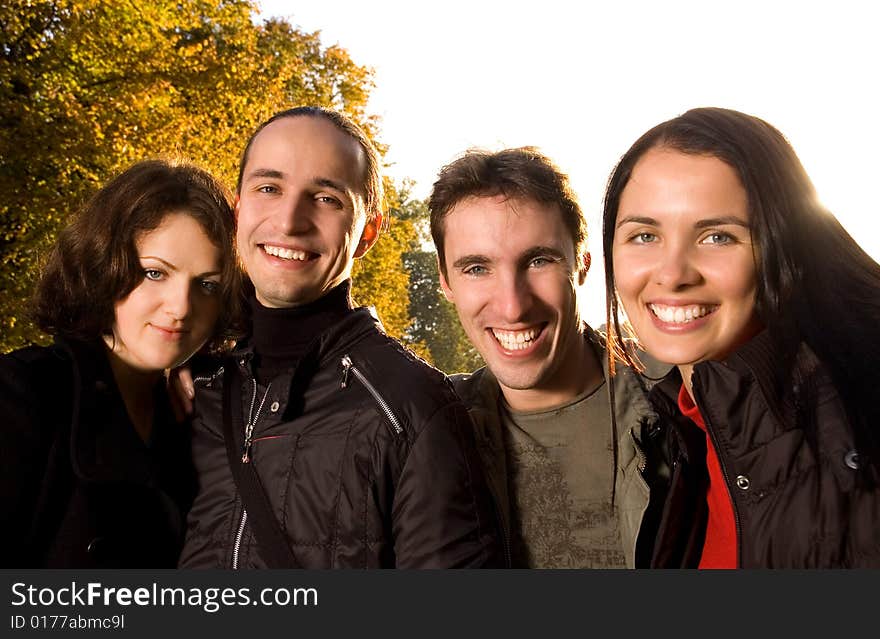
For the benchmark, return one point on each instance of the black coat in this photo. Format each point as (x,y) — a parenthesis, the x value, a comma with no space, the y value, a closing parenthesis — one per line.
(79,487)
(795,505)
(366,465)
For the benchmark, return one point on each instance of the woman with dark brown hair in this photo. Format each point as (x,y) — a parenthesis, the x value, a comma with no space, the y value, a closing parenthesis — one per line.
(95,470)
(729,267)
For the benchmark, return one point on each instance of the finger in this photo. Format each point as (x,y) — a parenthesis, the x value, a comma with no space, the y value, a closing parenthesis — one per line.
(180,387)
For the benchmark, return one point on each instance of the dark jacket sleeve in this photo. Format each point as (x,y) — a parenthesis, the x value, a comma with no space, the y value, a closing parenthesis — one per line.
(443,515)
(27,437)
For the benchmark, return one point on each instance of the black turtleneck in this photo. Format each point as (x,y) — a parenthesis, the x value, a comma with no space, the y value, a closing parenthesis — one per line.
(280,335)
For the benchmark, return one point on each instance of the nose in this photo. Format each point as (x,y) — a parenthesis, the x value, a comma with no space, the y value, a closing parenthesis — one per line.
(677,268)
(179,301)
(513,298)
(295,217)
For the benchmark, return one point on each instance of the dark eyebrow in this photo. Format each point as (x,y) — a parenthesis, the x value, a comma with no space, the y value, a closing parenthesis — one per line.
(701,224)
(266,173)
(467,260)
(722,221)
(331,184)
(167,264)
(541,251)
(635,219)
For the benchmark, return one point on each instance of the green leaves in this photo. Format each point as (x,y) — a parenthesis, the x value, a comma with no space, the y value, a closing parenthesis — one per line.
(88,87)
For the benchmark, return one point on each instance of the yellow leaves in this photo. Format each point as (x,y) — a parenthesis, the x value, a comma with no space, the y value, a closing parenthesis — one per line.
(103,83)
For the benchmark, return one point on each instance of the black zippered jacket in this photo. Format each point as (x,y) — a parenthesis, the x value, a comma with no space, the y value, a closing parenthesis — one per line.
(795,505)
(78,487)
(365,453)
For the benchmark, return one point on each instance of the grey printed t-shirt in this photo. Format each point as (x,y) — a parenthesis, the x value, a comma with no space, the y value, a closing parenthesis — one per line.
(561,465)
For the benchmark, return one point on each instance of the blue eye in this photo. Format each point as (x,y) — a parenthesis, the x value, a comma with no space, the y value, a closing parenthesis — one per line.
(210,287)
(476,269)
(153,274)
(644,238)
(540,261)
(326,199)
(718,238)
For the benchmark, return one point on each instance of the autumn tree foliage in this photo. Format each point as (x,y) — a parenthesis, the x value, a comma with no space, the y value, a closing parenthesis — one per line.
(433,328)
(89,86)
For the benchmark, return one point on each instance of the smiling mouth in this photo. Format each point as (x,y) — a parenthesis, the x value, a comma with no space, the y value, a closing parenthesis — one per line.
(517,340)
(170,332)
(681,314)
(287,253)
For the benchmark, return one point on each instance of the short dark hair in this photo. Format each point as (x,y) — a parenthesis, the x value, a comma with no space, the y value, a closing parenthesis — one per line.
(372,186)
(815,284)
(94,262)
(522,172)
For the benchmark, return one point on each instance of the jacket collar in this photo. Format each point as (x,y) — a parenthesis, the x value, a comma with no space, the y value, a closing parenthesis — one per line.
(328,345)
(103,443)
(481,393)
(760,357)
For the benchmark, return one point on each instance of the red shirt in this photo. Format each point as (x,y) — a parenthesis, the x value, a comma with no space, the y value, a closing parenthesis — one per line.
(719,549)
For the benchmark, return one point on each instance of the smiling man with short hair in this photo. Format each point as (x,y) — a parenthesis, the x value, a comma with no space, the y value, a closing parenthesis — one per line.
(321,442)
(572,483)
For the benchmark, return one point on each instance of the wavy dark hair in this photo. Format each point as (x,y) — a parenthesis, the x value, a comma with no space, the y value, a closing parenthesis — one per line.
(94,262)
(815,284)
(522,172)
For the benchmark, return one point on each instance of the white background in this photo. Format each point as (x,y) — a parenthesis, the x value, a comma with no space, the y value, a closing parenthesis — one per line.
(582,81)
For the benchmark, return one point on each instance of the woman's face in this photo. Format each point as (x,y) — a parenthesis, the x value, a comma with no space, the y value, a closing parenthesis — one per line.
(683,259)
(173,310)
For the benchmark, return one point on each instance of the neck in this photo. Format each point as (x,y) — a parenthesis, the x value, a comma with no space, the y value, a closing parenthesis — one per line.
(136,387)
(282,335)
(687,371)
(580,372)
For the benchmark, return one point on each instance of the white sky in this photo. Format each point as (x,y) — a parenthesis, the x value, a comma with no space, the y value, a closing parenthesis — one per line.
(583,80)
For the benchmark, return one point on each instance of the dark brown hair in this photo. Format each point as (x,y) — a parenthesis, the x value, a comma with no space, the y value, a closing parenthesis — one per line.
(815,284)
(94,262)
(514,173)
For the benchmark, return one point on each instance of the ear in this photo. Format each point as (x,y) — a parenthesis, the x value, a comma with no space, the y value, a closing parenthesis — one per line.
(586,259)
(447,292)
(369,235)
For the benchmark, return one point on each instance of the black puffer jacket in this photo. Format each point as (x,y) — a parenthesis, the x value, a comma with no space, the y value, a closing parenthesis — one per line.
(794,508)
(365,453)
(79,488)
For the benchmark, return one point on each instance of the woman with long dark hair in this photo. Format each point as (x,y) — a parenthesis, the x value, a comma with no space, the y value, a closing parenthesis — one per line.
(94,470)
(728,266)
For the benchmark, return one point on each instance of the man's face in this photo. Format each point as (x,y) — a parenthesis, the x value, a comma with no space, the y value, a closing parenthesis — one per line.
(512,273)
(301,218)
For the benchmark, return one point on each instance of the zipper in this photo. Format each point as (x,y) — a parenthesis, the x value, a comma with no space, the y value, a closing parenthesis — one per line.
(237,545)
(642,466)
(208,378)
(349,367)
(245,459)
(252,419)
(724,474)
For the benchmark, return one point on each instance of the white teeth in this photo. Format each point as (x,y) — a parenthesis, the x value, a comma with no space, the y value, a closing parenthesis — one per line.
(680,314)
(515,340)
(285,253)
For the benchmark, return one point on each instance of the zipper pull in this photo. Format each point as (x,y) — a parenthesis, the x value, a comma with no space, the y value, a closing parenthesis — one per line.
(248,445)
(346,367)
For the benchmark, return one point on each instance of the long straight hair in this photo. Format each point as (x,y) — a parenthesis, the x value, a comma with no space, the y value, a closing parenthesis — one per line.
(815,284)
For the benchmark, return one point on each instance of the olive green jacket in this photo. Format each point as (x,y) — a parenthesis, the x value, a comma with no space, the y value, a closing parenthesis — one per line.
(637,428)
